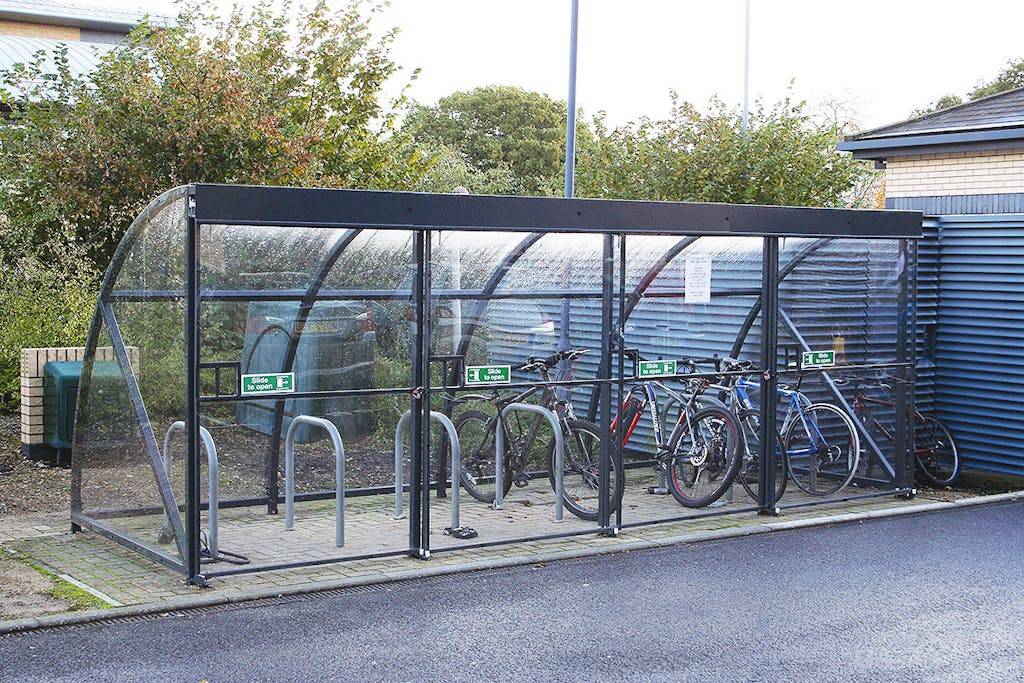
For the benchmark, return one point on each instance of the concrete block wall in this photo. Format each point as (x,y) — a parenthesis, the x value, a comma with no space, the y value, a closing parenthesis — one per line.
(32,363)
(955,173)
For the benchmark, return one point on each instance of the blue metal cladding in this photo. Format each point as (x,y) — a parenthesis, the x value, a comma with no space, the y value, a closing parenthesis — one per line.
(979,338)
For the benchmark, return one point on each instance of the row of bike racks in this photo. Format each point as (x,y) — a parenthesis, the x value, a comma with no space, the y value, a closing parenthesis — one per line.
(456,529)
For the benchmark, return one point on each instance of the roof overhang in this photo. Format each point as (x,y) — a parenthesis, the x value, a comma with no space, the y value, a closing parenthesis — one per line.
(328,208)
(109,20)
(881,148)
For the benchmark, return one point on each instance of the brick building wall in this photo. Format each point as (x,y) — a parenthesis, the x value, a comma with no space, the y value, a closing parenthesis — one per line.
(37,30)
(955,173)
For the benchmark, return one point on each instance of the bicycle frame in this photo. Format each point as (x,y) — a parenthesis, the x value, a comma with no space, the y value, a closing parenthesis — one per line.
(796,402)
(650,401)
(561,407)
(865,416)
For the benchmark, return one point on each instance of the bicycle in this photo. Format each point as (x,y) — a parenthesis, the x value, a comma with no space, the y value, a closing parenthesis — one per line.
(526,442)
(704,442)
(935,451)
(817,446)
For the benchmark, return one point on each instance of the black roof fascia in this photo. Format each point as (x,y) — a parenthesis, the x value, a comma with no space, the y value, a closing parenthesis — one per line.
(934,143)
(328,208)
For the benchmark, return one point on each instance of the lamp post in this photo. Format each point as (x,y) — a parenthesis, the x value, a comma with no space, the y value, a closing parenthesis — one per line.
(746,68)
(570,115)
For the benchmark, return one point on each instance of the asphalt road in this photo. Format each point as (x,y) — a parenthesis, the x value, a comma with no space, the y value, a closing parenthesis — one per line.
(928,597)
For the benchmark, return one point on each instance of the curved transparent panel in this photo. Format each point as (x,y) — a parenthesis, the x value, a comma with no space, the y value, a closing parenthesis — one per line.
(133,388)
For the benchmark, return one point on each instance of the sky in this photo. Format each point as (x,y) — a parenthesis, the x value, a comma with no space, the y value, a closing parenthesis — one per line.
(880,58)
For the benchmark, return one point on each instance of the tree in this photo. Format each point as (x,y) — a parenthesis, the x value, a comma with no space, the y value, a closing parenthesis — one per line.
(256,97)
(785,157)
(501,130)
(1011,76)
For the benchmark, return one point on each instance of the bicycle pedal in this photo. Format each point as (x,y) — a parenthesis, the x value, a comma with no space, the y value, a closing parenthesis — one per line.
(462,533)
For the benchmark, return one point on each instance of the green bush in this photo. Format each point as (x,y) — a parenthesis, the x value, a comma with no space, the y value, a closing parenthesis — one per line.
(42,306)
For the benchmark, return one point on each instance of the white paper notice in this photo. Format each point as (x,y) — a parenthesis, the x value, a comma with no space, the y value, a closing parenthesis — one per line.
(698,279)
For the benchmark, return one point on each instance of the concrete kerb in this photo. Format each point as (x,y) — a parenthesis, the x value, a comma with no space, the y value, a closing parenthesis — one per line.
(184,603)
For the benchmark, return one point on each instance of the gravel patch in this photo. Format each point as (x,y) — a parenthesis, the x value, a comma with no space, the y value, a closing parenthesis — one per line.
(27,486)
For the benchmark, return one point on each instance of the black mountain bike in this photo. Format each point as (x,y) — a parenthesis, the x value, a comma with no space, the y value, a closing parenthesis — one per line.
(701,452)
(530,448)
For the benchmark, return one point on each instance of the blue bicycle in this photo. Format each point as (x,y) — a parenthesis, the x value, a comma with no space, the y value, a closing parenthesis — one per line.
(820,448)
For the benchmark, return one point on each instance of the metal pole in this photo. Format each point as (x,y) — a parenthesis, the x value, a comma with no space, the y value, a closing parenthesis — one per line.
(415,461)
(193,495)
(423,453)
(605,372)
(620,341)
(746,68)
(570,114)
(903,455)
(769,380)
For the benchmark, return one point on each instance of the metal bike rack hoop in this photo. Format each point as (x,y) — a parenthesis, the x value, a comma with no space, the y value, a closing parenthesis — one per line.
(456,468)
(339,474)
(212,463)
(499,453)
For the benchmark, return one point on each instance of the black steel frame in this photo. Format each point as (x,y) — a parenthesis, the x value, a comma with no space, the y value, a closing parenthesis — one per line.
(424,214)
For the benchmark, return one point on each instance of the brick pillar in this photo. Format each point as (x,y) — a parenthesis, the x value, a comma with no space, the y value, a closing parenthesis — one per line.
(32,363)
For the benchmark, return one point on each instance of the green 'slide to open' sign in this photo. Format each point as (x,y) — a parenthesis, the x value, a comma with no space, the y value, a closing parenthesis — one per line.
(269,383)
(818,359)
(656,368)
(488,374)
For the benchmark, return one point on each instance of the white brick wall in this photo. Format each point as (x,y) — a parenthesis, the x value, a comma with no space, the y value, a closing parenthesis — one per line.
(955,173)
(32,363)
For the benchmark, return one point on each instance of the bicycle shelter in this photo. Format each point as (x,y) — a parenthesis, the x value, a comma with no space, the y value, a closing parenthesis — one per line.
(253,308)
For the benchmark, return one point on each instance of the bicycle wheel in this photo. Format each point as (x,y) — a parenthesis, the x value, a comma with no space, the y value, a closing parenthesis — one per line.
(822,449)
(749,474)
(705,457)
(935,452)
(581,473)
(476,441)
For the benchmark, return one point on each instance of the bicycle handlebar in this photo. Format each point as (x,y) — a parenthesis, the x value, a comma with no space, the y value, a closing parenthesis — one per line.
(532,363)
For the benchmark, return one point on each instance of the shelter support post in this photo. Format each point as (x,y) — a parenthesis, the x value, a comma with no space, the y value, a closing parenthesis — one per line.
(604,372)
(769,377)
(192,340)
(904,399)
(419,398)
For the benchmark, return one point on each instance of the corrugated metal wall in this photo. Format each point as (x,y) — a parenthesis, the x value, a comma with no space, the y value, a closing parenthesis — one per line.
(971,323)
(979,338)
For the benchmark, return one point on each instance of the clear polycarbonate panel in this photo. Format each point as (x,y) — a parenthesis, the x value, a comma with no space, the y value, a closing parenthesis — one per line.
(347,353)
(504,304)
(687,299)
(119,461)
(839,319)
